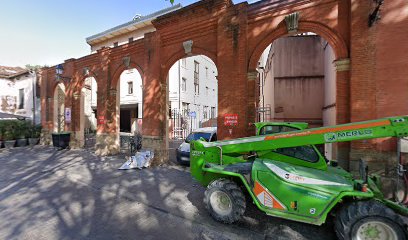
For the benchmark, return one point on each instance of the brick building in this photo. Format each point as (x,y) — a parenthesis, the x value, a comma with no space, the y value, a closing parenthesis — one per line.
(192,83)
(369,60)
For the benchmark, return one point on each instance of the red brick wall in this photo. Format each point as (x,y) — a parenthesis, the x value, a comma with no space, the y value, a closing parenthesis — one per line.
(379,81)
(234,36)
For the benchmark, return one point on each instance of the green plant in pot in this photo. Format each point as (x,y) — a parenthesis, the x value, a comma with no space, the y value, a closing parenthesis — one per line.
(35,132)
(1,138)
(9,139)
(21,133)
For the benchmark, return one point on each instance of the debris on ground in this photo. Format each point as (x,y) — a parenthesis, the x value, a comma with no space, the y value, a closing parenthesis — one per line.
(140,160)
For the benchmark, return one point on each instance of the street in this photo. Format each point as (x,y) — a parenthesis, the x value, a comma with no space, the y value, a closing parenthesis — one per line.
(74,194)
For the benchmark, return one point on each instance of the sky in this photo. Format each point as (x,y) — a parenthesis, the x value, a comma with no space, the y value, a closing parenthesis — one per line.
(45,32)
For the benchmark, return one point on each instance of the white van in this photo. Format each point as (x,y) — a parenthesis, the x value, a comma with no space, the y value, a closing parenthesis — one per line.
(183,151)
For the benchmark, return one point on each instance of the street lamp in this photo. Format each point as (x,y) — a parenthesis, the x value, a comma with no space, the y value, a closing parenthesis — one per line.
(59,70)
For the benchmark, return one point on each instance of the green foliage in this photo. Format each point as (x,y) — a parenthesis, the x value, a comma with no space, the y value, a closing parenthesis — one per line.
(8,129)
(34,67)
(35,131)
(13,129)
(171,1)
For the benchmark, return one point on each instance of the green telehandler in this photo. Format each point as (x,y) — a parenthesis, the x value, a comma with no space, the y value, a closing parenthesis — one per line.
(287,177)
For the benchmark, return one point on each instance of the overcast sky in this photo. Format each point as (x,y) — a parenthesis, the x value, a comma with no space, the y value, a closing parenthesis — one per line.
(40,32)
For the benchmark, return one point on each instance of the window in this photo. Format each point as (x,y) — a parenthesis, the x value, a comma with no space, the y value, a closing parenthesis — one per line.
(205,112)
(212,112)
(183,62)
(196,78)
(130,87)
(206,91)
(206,72)
(306,153)
(170,112)
(272,129)
(214,137)
(185,108)
(21,98)
(183,84)
(197,135)
(115,44)
(130,39)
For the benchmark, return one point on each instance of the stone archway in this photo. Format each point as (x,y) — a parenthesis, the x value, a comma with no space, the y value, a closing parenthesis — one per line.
(232,35)
(336,41)
(341,64)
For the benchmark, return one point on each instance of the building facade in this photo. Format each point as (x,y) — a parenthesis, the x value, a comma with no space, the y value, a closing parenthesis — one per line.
(18,94)
(193,95)
(192,83)
(367,58)
(297,83)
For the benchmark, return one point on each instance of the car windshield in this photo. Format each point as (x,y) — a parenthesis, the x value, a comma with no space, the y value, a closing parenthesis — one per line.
(197,135)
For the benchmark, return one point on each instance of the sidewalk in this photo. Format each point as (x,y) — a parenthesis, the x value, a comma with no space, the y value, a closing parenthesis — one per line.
(73,194)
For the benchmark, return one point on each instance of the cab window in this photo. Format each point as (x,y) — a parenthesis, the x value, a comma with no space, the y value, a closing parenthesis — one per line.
(213,137)
(306,153)
(271,129)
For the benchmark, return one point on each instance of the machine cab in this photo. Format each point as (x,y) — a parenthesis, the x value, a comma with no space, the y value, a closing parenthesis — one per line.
(307,155)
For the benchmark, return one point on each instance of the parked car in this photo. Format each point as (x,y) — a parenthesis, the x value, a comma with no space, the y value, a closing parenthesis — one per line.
(183,151)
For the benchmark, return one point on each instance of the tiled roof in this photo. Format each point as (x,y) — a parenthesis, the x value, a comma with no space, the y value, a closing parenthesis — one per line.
(4,115)
(10,72)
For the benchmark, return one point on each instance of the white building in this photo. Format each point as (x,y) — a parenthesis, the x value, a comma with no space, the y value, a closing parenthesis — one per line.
(18,94)
(193,88)
(192,82)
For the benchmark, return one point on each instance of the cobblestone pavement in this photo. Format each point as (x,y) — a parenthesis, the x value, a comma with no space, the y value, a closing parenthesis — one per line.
(73,194)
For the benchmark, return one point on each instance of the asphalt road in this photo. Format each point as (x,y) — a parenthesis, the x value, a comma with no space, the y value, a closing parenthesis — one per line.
(73,194)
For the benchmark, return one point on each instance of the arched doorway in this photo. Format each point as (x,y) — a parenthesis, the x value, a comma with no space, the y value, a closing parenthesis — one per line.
(192,98)
(297,83)
(59,108)
(88,112)
(129,109)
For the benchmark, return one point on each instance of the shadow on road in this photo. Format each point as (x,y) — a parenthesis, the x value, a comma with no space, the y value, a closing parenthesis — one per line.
(48,194)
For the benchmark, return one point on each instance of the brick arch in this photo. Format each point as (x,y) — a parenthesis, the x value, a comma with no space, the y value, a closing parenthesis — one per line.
(330,35)
(76,106)
(55,84)
(181,54)
(80,84)
(119,70)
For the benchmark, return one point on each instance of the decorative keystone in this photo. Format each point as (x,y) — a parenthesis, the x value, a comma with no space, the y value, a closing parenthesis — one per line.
(188,45)
(126,61)
(342,64)
(292,22)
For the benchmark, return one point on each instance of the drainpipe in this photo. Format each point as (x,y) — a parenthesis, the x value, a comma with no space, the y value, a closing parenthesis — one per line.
(179,92)
(34,80)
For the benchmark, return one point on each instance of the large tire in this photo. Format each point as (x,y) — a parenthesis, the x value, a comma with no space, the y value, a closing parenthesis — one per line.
(368,220)
(224,200)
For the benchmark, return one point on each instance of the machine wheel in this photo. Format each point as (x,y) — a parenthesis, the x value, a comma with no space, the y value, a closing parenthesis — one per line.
(368,220)
(224,200)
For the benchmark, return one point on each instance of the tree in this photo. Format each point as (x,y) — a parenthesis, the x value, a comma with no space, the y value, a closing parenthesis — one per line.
(34,67)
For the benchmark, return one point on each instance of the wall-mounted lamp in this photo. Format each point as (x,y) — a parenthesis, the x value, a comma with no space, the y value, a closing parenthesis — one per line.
(59,70)
(375,15)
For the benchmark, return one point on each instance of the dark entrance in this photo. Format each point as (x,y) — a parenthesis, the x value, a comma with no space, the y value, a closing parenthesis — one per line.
(125,120)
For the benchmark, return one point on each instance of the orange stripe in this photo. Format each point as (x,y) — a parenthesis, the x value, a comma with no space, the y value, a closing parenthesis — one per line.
(333,129)
(258,188)
(277,205)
